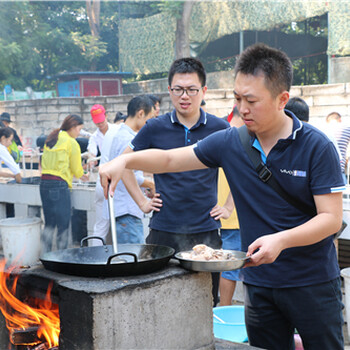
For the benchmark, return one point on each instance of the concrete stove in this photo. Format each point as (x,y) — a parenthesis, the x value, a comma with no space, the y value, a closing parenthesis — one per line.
(169,309)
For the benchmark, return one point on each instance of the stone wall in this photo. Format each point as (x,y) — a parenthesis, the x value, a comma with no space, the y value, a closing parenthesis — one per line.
(339,69)
(32,118)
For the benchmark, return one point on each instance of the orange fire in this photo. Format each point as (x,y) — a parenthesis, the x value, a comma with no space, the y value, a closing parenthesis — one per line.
(44,315)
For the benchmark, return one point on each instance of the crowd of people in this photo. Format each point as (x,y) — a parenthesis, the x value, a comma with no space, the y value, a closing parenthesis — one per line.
(191,170)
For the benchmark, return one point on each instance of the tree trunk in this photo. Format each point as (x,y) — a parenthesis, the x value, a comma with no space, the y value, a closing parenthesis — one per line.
(182,41)
(93,13)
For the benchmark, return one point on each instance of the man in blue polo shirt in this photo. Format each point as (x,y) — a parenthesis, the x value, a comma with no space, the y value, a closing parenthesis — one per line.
(187,197)
(292,280)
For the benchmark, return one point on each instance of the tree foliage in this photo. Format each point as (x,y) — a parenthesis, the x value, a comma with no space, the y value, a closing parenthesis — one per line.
(172,8)
(39,39)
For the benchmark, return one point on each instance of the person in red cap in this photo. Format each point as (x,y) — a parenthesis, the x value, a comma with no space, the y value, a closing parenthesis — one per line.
(98,115)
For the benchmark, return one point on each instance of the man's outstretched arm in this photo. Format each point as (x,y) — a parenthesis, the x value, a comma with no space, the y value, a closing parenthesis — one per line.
(153,161)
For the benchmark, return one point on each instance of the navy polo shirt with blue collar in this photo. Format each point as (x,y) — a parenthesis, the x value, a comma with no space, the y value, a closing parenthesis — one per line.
(188,196)
(305,164)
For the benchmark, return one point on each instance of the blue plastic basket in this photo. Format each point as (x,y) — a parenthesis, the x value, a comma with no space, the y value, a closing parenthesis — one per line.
(234,327)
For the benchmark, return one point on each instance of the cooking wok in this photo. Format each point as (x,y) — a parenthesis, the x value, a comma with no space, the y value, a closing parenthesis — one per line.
(106,260)
(102,261)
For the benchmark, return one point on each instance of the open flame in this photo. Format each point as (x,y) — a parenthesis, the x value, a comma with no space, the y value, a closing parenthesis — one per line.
(43,315)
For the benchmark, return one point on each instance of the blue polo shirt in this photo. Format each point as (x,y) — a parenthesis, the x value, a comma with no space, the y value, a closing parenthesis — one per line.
(188,196)
(305,164)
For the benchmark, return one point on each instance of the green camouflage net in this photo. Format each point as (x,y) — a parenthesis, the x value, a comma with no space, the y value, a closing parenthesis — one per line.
(339,28)
(147,45)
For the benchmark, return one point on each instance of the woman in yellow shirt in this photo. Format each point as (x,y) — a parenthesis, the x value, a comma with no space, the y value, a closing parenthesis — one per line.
(61,160)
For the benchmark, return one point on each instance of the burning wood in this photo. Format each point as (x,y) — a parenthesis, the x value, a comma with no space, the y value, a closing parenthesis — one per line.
(24,336)
(44,346)
(38,323)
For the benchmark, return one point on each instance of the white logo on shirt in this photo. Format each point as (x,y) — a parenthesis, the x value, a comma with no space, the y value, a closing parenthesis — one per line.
(296,173)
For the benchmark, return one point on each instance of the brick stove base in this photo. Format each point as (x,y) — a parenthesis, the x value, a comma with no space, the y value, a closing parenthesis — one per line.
(169,309)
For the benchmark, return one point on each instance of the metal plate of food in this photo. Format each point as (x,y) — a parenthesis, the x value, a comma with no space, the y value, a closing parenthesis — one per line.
(203,258)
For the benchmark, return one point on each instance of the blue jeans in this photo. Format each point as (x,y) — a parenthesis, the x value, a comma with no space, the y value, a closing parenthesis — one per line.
(56,201)
(129,229)
(272,315)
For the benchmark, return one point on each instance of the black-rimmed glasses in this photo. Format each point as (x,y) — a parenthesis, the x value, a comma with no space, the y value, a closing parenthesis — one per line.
(177,91)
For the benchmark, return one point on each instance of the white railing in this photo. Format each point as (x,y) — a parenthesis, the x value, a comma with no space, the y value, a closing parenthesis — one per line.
(31,154)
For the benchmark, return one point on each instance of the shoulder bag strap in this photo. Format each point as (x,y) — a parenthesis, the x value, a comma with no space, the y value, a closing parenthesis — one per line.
(265,173)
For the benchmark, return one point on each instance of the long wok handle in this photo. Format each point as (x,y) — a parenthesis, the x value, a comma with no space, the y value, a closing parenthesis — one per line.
(112,221)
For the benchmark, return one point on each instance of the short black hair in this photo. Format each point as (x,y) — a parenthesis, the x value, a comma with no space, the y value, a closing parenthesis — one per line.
(299,107)
(187,65)
(155,98)
(274,64)
(6,131)
(142,102)
(119,116)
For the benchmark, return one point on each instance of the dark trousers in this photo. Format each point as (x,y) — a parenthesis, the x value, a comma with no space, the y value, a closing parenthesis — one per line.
(272,315)
(181,242)
(79,225)
(56,201)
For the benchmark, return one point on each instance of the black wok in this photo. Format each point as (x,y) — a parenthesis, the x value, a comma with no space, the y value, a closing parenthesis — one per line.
(106,260)
(101,261)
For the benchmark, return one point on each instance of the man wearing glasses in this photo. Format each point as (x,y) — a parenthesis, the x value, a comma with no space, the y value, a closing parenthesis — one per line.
(187,198)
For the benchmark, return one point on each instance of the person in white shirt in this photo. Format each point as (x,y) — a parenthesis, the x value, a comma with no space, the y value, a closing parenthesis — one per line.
(98,115)
(102,142)
(116,139)
(340,132)
(129,209)
(6,137)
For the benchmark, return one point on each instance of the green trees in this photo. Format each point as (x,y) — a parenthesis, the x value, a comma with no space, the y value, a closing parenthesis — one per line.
(41,39)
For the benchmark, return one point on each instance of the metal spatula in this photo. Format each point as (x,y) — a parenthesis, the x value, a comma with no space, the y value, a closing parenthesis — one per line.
(112,222)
